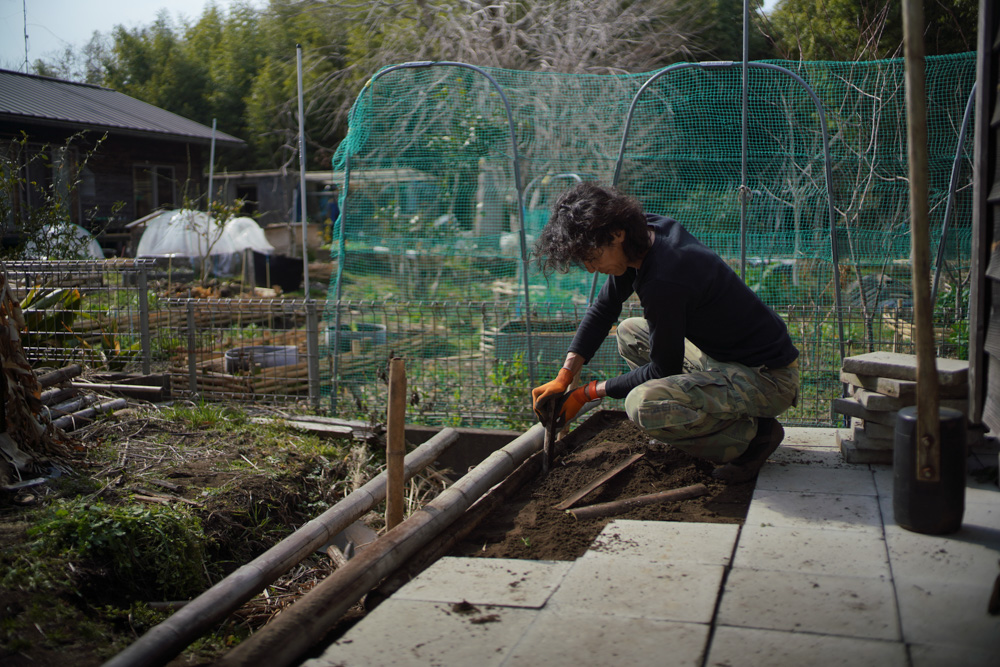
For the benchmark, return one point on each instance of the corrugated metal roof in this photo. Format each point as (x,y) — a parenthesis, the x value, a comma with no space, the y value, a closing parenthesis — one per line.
(57,102)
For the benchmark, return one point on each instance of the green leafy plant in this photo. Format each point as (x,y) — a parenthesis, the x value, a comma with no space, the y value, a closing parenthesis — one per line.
(511,379)
(151,551)
(203,414)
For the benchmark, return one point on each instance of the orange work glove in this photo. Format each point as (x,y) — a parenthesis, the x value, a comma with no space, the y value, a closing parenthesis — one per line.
(554,388)
(576,400)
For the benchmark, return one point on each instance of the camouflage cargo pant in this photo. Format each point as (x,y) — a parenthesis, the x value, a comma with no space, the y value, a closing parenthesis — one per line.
(711,410)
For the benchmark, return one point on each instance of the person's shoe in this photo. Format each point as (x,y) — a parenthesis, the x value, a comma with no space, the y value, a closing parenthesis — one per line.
(746,465)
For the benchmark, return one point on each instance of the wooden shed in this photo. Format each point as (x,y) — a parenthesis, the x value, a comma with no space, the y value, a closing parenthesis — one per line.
(148,158)
(984,300)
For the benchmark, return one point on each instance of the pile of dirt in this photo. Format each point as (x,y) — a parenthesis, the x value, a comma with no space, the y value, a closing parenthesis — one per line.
(530,527)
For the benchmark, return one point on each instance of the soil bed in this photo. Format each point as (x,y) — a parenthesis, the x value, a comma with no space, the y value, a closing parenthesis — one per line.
(529,526)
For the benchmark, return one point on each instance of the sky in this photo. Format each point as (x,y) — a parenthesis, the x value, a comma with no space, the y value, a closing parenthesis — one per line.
(52,25)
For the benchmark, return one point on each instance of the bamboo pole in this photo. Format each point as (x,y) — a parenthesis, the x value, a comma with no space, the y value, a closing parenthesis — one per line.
(58,394)
(395,442)
(166,640)
(928,433)
(59,375)
(140,391)
(69,422)
(443,544)
(298,628)
(72,405)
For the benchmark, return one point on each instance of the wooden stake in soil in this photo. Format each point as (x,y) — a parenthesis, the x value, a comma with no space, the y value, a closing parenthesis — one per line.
(626,504)
(395,443)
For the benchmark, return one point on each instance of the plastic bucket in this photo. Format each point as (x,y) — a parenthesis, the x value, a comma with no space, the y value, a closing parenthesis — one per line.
(242,359)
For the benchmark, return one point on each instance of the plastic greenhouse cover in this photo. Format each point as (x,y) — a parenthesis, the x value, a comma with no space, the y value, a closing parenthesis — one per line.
(85,244)
(187,233)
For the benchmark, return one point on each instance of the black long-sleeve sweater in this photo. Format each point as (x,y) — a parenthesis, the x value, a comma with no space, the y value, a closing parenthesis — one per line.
(686,291)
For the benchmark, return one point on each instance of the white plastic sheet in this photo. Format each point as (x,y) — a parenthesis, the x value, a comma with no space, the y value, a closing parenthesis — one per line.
(194,234)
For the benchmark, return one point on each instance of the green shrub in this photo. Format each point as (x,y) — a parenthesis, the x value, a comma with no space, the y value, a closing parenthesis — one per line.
(152,552)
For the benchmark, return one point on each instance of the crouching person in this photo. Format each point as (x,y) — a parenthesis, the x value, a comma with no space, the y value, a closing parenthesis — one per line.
(712,366)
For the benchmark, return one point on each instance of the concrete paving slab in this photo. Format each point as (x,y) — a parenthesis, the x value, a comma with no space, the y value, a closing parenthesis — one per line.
(408,632)
(818,603)
(983,514)
(739,647)
(873,429)
(861,452)
(968,556)
(801,478)
(802,510)
(883,479)
(881,385)
(852,408)
(819,438)
(574,639)
(979,492)
(871,437)
(947,613)
(811,456)
(812,551)
(924,655)
(498,581)
(900,366)
(666,541)
(640,589)
(876,401)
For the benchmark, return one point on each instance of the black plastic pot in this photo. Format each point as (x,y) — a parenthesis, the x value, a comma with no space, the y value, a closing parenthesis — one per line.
(932,507)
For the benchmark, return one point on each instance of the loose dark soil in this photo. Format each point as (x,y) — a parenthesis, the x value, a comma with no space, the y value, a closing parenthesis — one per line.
(529,527)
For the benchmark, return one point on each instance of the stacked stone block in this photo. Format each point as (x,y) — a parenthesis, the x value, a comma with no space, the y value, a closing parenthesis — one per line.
(879,384)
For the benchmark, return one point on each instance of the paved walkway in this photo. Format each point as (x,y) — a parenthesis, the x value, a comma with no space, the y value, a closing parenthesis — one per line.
(818,575)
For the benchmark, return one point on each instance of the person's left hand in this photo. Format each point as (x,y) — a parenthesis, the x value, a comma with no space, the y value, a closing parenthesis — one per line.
(576,400)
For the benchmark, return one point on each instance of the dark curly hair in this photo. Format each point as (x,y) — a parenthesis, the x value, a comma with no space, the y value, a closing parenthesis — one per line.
(584,219)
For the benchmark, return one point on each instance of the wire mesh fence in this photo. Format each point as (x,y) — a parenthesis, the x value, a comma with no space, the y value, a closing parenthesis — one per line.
(467,362)
(449,176)
(450,172)
(93,313)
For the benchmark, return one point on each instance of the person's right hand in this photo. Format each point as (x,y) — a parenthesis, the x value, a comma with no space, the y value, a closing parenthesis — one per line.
(554,388)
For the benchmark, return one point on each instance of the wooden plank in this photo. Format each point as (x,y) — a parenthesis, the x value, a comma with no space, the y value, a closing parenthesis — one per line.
(579,495)
(620,506)
(312,427)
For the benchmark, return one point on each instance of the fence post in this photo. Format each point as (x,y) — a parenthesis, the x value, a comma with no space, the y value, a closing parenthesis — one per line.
(312,351)
(147,352)
(192,363)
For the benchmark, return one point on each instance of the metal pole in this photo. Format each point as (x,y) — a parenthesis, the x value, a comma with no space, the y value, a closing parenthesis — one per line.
(334,340)
(956,168)
(211,169)
(312,351)
(192,363)
(147,352)
(302,174)
(24,14)
(744,191)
